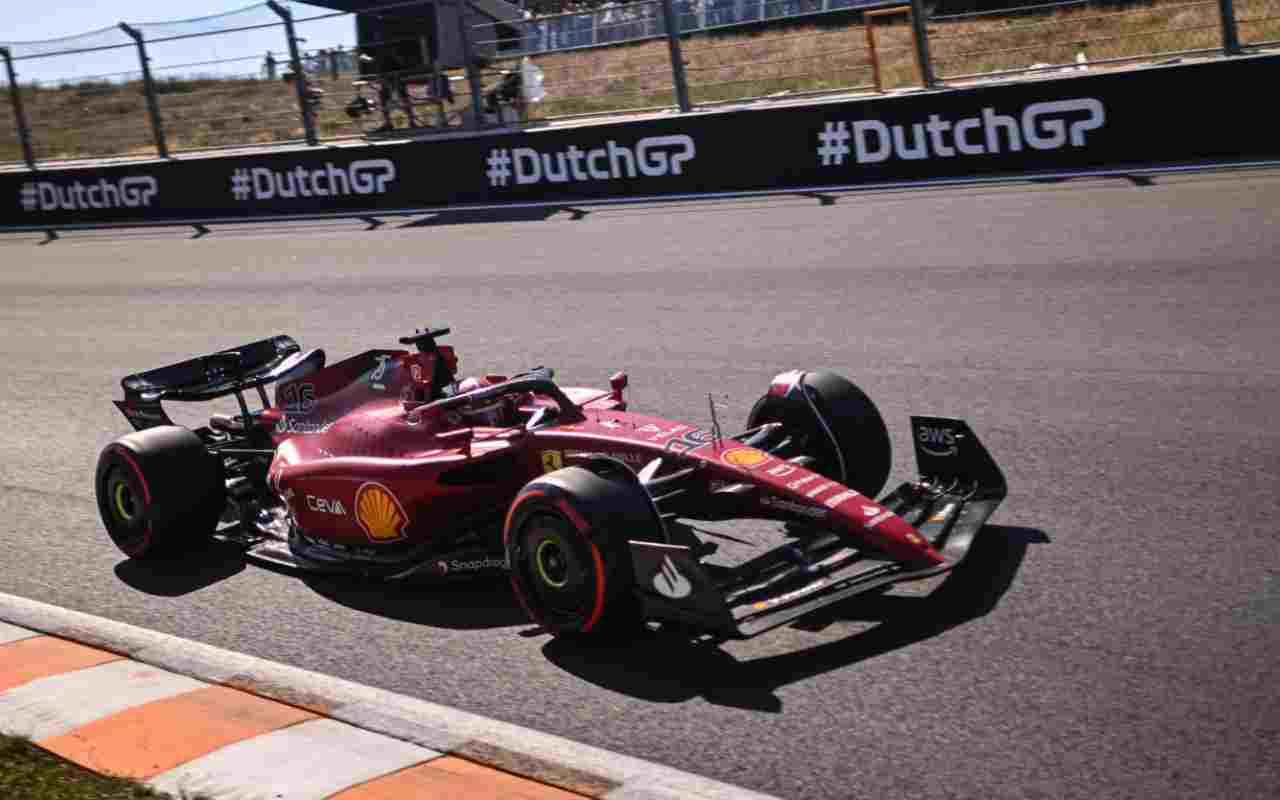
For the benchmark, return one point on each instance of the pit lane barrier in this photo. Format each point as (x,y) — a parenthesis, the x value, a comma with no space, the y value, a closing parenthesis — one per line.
(186,717)
(1178,117)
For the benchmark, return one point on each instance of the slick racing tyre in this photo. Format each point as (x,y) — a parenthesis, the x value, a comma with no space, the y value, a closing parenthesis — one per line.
(566,541)
(159,492)
(860,455)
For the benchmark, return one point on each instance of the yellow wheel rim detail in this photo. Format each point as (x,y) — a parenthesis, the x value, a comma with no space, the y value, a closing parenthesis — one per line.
(542,570)
(122,502)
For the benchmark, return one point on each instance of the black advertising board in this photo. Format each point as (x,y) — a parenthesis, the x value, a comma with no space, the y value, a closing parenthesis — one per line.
(1209,112)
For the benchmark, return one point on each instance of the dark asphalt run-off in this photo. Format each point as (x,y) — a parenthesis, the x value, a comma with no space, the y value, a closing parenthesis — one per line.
(1114,344)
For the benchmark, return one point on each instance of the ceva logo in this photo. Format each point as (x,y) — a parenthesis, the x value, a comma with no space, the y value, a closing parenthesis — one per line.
(326,505)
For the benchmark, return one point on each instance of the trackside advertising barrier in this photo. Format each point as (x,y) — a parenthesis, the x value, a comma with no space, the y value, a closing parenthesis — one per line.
(1211,112)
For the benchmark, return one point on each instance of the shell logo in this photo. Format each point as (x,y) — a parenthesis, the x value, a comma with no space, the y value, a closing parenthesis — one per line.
(747,457)
(379,513)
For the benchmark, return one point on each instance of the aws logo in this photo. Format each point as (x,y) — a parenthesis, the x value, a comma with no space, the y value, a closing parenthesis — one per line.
(937,441)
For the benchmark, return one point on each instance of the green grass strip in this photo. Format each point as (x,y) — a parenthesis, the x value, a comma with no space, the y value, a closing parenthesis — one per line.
(29,773)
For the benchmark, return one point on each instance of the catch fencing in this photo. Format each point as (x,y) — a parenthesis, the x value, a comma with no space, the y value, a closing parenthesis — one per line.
(266,74)
(1077,34)
(641,73)
(1259,22)
(617,23)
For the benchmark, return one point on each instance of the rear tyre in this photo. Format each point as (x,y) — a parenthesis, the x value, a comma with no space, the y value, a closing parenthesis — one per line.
(861,438)
(160,492)
(566,542)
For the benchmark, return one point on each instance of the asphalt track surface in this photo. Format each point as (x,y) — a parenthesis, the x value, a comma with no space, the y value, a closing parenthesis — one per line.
(1116,634)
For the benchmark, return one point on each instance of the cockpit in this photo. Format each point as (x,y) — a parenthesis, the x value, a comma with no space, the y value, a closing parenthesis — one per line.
(492,401)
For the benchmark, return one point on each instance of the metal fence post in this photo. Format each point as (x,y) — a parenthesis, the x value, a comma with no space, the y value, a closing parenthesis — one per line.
(920,24)
(678,77)
(1230,33)
(149,87)
(19,115)
(473,74)
(299,73)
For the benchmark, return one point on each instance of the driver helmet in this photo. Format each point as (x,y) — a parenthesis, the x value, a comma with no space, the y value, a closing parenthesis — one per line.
(497,413)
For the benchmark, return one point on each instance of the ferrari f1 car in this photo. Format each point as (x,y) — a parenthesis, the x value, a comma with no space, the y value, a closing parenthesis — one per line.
(386,465)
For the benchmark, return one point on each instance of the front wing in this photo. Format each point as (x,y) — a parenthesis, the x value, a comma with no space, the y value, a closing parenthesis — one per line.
(959,489)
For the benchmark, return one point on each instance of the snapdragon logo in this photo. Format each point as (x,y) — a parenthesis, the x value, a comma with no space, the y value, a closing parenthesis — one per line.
(369,176)
(1040,126)
(473,565)
(652,157)
(135,192)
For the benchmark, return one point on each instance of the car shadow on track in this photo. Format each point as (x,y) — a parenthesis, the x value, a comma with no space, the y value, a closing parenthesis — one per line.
(195,570)
(469,605)
(678,669)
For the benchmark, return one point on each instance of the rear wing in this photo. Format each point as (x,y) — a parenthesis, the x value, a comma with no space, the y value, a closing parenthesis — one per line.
(226,372)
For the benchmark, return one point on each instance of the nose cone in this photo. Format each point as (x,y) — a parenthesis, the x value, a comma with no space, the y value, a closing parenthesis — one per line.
(873,524)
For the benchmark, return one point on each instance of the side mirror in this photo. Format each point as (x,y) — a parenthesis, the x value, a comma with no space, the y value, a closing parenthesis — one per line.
(617,383)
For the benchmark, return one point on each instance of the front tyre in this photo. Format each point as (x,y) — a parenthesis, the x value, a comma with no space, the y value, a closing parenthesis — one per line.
(159,492)
(847,436)
(566,540)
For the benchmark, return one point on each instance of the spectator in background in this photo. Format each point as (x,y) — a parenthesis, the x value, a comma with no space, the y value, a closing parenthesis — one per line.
(533,33)
(313,63)
(582,26)
(269,66)
(606,30)
(344,59)
(544,35)
(649,20)
(391,83)
(553,30)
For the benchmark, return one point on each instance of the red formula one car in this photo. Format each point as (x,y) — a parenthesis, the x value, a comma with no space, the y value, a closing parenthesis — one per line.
(386,465)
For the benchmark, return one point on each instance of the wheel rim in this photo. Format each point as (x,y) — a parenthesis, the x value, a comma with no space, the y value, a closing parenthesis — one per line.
(126,507)
(126,504)
(561,584)
(552,565)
